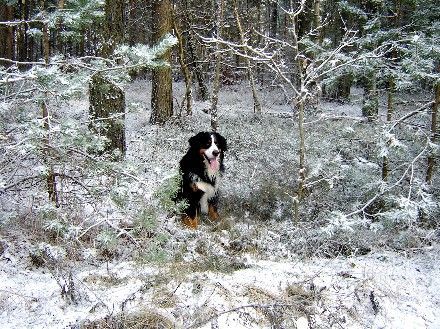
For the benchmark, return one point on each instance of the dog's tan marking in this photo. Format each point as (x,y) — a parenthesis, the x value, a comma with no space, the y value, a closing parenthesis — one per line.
(212,213)
(190,222)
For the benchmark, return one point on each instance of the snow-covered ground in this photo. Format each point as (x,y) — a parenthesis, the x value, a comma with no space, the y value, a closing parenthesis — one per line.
(381,290)
(247,274)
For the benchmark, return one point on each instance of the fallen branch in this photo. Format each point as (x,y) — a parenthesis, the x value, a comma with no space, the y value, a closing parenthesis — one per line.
(237,309)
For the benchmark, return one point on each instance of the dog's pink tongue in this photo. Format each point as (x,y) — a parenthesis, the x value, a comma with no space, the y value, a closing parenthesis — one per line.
(214,164)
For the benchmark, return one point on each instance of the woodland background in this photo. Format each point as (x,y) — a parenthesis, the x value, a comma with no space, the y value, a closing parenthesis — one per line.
(330,111)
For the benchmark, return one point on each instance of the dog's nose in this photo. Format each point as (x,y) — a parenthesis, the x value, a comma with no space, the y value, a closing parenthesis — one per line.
(215,153)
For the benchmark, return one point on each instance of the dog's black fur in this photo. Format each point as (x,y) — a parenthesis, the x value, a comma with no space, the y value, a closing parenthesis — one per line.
(199,176)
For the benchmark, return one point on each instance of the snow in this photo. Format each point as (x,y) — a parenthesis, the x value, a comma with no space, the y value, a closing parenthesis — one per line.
(405,292)
(247,275)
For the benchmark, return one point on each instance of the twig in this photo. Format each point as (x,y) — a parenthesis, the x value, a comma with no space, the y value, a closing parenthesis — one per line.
(236,309)
(123,232)
(374,198)
(411,114)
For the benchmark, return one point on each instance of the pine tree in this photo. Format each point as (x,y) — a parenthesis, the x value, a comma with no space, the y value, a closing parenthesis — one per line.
(161,94)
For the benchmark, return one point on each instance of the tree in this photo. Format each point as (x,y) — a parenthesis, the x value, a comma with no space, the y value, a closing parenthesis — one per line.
(218,59)
(50,175)
(57,148)
(107,114)
(300,52)
(6,31)
(249,69)
(433,136)
(190,15)
(161,94)
(114,26)
(184,66)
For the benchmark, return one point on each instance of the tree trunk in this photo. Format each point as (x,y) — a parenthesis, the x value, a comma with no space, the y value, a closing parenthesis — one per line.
(302,149)
(202,92)
(202,89)
(370,108)
(317,21)
(114,26)
(184,67)
(50,176)
(390,110)
(299,98)
(273,18)
(433,137)
(218,59)
(257,104)
(59,29)
(7,32)
(107,114)
(132,30)
(21,33)
(161,94)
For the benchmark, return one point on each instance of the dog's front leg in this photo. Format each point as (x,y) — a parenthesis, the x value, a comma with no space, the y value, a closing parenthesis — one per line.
(205,187)
(212,213)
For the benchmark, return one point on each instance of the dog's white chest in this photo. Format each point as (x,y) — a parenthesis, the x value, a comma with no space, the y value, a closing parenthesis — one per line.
(210,192)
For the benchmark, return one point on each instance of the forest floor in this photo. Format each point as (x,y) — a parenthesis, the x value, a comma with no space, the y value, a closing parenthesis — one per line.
(248,272)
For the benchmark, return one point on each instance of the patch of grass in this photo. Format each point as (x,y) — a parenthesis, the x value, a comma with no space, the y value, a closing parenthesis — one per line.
(164,298)
(140,320)
(110,280)
(269,200)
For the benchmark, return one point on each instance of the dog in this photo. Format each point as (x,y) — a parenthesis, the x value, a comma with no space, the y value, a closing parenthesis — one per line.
(200,169)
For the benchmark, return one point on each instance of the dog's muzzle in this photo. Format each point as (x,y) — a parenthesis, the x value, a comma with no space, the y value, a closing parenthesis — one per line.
(213,162)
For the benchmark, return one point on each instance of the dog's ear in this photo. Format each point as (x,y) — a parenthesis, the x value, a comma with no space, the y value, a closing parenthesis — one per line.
(222,142)
(195,141)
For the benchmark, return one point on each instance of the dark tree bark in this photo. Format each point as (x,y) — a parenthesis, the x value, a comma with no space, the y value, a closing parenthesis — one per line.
(21,32)
(218,58)
(107,113)
(433,138)
(390,109)
(161,94)
(194,57)
(370,107)
(257,103)
(7,32)
(50,176)
(114,26)
(59,29)
(273,19)
(184,66)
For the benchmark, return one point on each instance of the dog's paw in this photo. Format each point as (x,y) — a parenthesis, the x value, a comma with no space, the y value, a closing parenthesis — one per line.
(190,222)
(213,214)
(205,187)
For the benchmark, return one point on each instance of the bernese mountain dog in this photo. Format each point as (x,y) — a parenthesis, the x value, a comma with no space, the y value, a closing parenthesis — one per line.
(200,170)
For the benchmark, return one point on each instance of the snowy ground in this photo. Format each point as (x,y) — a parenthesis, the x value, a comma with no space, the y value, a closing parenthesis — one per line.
(246,275)
(384,290)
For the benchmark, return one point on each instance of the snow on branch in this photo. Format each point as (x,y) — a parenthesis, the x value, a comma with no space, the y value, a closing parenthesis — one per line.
(143,55)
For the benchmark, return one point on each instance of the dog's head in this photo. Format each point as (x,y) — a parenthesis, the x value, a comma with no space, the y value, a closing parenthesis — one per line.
(211,147)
